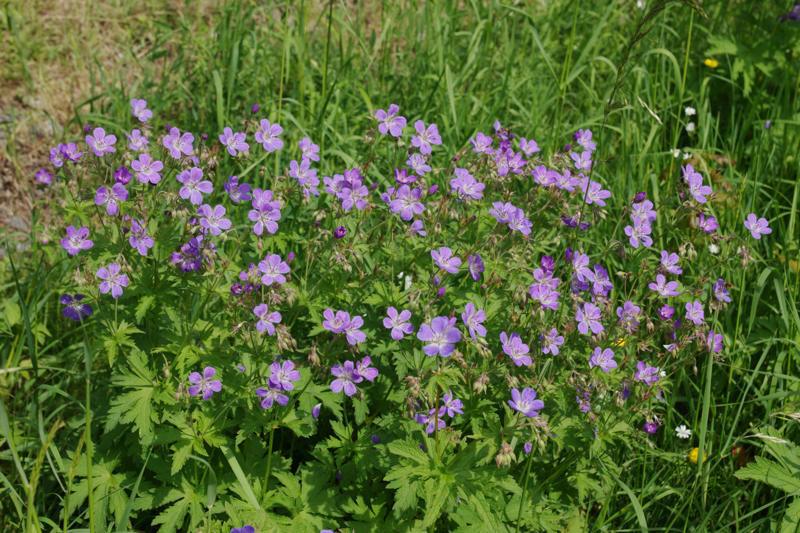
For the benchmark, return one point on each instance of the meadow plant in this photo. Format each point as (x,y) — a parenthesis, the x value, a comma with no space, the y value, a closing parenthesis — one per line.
(410,328)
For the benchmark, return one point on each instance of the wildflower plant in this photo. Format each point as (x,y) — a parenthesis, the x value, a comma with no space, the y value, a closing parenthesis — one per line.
(403,329)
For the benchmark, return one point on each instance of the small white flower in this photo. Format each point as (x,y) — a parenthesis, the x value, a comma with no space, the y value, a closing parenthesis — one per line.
(640,4)
(663,374)
(690,127)
(676,153)
(690,111)
(683,432)
(713,248)
(686,155)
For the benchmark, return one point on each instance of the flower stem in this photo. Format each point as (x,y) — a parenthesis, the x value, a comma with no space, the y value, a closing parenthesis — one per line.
(269,458)
(88,429)
(524,491)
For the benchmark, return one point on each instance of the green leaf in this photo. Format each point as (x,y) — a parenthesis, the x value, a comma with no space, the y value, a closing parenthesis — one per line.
(247,489)
(136,404)
(791,519)
(772,474)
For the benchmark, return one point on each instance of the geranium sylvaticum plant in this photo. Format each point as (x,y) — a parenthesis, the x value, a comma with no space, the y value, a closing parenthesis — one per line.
(379,341)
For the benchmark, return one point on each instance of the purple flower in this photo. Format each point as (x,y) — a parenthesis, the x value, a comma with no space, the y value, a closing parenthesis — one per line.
(305,176)
(603,359)
(519,222)
(646,373)
(482,143)
(56,158)
(695,182)
(694,313)
(545,295)
(244,529)
(265,213)
(366,371)
(212,219)
(516,349)
(283,375)
(346,378)
(352,331)
(502,212)
(451,406)
(582,161)
(418,163)
(76,240)
(194,186)
(594,193)
(639,234)
(269,136)
(100,143)
(551,342)
(466,186)
(70,152)
(390,122)
(273,268)
(270,397)
(444,259)
(417,228)
(666,312)
(178,144)
(473,318)
(266,319)
(204,384)
(398,323)
(335,322)
(527,447)
(140,111)
(426,137)
(588,318)
(308,149)
(139,238)
(650,427)
(670,263)
(402,177)
(628,315)
(315,410)
(663,287)
(441,336)
(191,254)
(528,147)
(584,138)
(526,402)
(406,203)
(136,141)
(43,177)
(113,280)
(757,226)
(234,142)
(475,266)
(431,421)
(707,224)
(339,232)
(714,341)
(237,192)
(122,175)
(721,291)
(111,197)
(74,307)
(544,176)
(643,212)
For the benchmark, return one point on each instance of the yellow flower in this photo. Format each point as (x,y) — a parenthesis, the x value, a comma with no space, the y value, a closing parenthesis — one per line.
(694,455)
(620,342)
(711,62)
